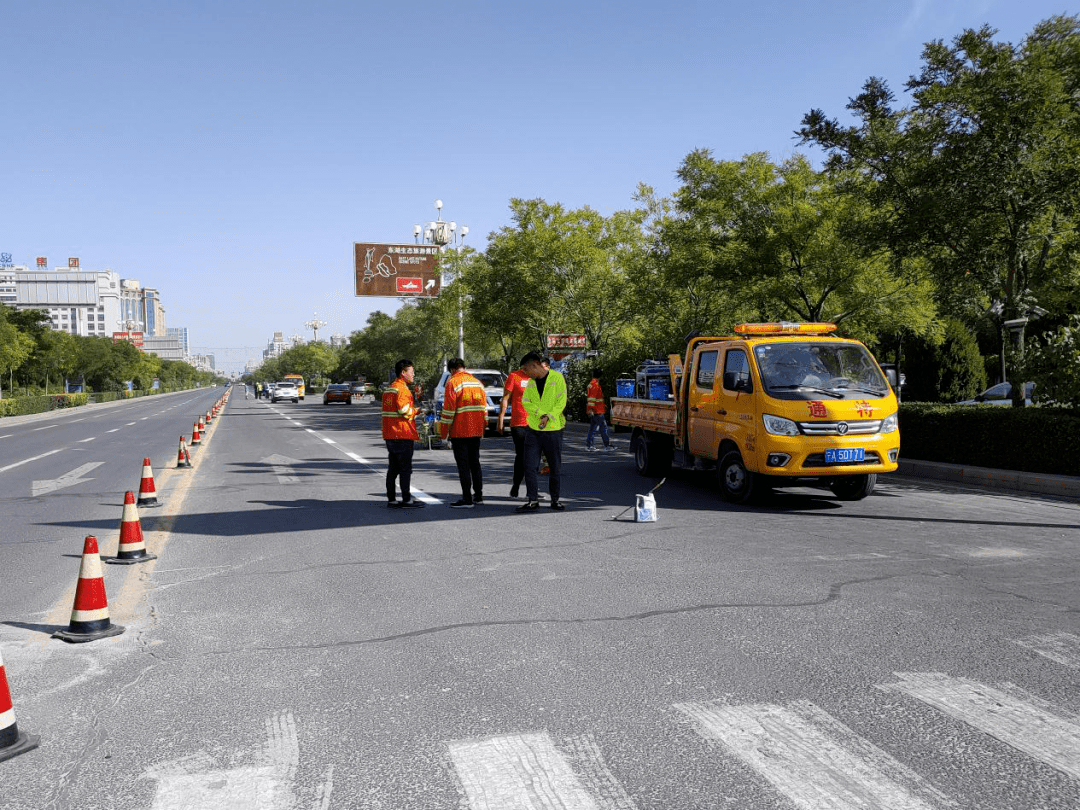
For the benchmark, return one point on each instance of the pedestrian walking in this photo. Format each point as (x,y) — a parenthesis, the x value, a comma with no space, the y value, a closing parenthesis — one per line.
(513,389)
(399,431)
(544,401)
(595,410)
(464,417)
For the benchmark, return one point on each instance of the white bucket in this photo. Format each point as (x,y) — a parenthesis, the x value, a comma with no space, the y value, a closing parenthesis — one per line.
(645,509)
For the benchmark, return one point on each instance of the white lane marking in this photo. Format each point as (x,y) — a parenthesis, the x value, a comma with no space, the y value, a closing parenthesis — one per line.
(129,424)
(35,430)
(112,431)
(813,759)
(81,441)
(282,467)
(28,460)
(1017,718)
(7,436)
(520,771)
(420,495)
(143,419)
(1064,648)
(197,782)
(325,790)
(66,480)
(73,421)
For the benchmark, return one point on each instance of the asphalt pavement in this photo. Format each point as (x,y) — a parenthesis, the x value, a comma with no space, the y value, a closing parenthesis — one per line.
(299,645)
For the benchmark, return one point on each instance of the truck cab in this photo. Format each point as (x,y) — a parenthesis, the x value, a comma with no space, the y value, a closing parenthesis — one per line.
(774,405)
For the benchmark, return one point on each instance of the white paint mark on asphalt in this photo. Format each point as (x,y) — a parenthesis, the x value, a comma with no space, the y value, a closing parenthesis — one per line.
(1019,719)
(813,759)
(7,436)
(325,790)
(198,783)
(66,480)
(112,431)
(1064,648)
(35,430)
(82,441)
(282,467)
(522,771)
(357,458)
(28,460)
(129,424)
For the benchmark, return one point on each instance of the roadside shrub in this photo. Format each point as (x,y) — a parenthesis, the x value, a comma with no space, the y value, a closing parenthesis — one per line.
(947,371)
(1039,440)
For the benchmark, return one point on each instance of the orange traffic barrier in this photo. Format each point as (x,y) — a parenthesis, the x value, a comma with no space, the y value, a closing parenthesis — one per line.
(196,438)
(183,458)
(132,547)
(12,741)
(147,491)
(90,613)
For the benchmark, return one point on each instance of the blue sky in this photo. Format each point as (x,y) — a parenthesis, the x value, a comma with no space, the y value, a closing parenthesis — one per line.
(230,152)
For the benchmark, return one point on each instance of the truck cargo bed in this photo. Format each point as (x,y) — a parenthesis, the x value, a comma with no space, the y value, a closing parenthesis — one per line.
(649,414)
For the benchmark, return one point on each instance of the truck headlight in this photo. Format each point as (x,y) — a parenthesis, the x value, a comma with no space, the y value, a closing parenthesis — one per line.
(779,426)
(889,424)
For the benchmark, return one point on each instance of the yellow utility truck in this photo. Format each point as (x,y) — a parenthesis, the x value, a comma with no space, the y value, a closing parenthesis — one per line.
(777,404)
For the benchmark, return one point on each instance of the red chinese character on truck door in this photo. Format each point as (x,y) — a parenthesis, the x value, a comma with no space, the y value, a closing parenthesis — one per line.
(817,408)
(864,409)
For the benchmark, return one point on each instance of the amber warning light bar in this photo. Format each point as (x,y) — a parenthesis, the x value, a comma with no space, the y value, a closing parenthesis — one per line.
(784,328)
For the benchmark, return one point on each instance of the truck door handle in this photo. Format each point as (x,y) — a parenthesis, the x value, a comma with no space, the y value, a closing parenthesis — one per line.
(693,408)
(722,412)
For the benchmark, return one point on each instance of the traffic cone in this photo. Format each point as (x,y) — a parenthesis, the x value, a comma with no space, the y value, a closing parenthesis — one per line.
(147,492)
(90,614)
(183,459)
(209,417)
(195,437)
(132,548)
(12,741)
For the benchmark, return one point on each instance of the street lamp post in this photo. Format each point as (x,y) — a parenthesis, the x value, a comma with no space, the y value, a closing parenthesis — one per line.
(314,325)
(446,235)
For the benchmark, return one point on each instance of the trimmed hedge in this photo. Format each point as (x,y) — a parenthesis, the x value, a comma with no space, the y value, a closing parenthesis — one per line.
(1038,440)
(22,406)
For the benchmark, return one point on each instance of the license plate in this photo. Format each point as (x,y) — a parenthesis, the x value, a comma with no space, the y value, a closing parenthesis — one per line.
(840,455)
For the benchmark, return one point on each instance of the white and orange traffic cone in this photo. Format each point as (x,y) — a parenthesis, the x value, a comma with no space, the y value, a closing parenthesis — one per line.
(196,437)
(132,547)
(209,417)
(12,741)
(90,613)
(183,458)
(147,491)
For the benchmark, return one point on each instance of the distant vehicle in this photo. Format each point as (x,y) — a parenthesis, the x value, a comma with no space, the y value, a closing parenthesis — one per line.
(491,379)
(1001,395)
(284,390)
(358,388)
(296,380)
(337,392)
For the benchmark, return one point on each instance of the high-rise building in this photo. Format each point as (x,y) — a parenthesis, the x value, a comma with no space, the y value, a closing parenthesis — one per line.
(142,307)
(181,334)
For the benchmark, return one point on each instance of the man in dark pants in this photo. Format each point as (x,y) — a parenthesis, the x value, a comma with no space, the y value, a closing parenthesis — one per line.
(513,389)
(544,402)
(464,417)
(399,432)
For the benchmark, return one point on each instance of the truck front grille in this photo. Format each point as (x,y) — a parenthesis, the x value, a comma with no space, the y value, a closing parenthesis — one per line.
(860,427)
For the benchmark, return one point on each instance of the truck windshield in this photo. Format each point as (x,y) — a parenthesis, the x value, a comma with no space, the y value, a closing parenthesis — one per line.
(808,370)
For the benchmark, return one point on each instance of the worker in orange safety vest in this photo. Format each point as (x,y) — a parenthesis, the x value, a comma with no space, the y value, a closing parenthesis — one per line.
(464,417)
(399,431)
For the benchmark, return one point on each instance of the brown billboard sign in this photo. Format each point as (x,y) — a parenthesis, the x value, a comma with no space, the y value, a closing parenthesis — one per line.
(396,271)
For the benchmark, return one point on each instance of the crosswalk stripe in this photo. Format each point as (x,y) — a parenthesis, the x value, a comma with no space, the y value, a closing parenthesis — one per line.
(816,761)
(1064,648)
(528,772)
(1019,719)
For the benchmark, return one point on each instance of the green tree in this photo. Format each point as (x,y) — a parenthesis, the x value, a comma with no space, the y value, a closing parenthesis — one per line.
(783,242)
(979,176)
(15,349)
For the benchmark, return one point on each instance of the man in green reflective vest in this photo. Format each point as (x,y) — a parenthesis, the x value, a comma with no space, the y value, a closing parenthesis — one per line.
(544,401)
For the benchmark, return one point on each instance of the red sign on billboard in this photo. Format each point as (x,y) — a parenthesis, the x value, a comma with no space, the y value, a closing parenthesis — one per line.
(410,285)
(42,261)
(134,338)
(73,262)
(566,342)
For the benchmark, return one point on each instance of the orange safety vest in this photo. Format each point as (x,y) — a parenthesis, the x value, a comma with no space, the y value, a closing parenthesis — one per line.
(595,403)
(464,410)
(398,412)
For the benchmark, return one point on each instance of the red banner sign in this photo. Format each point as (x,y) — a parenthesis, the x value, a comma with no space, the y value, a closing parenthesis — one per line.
(566,342)
(134,338)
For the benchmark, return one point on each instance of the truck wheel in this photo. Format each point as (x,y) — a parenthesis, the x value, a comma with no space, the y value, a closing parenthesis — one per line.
(650,458)
(737,484)
(853,487)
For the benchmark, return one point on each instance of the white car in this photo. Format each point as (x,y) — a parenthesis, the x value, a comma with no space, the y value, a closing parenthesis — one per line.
(492,380)
(285,390)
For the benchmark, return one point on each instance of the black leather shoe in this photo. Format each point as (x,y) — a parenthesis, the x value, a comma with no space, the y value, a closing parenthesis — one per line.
(462,504)
(413,504)
(478,499)
(528,506)
(558,506)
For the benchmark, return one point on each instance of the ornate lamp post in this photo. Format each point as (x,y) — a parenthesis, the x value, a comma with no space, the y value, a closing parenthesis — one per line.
(446,235)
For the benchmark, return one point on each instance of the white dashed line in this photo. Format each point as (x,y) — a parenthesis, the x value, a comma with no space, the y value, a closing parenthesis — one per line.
(28,460)
(35,430)
(81,441)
